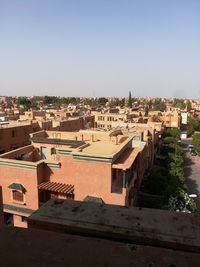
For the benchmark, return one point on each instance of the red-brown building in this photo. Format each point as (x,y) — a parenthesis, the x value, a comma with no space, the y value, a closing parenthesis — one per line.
(71,165)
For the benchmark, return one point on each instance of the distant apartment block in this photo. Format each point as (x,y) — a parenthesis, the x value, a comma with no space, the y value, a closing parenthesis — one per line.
(15,134)
(105,120)
(171,120)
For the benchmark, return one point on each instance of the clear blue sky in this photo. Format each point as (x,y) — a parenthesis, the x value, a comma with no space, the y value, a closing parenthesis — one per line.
(100,47)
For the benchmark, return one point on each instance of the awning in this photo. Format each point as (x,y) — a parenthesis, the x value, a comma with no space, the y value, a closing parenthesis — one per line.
(126,159)
(15,186)
(57,187)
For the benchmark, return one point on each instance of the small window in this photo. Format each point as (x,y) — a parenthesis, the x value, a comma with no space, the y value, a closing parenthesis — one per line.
(17,196)
(24,219)
(53,151)
(43,151)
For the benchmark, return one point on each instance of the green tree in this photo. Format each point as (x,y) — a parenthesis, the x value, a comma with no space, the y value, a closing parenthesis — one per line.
(181,201)
(196,143)
(168,179)
(129,100)
(34,104)
(122,102)
(179,103)
(158,104)
(24,102)
(155,183)
(102,101)
(146,110)
(173,132)
(47,100)
(189,106)
(176,148)
(176,168)
(150,104)
(193,125)
(170,140)
(9,103)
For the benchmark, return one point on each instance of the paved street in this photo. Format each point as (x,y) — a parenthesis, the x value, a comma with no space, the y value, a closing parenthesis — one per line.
(192,172)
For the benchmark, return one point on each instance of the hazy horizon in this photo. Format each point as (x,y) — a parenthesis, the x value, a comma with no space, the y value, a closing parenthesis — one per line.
(100,48)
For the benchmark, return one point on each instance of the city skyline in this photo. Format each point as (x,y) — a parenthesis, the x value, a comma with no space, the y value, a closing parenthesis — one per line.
(93,48)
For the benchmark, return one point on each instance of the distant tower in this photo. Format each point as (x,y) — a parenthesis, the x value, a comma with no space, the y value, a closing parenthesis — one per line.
(130,100)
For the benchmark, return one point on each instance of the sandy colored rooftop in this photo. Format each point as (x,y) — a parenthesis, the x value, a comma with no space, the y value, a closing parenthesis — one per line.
(101,148)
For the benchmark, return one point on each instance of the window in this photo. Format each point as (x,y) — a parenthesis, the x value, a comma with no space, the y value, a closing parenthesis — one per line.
(24,219)
(17,196)
(101,118)
(53,151)
(111,118)
(8,218)
(100,125)
(43,151)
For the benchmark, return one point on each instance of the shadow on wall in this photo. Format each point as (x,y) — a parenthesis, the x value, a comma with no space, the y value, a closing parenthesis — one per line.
(47,173)
(1,208)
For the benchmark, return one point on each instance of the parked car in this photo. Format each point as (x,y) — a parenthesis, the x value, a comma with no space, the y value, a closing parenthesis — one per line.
(190,148)
(193,152)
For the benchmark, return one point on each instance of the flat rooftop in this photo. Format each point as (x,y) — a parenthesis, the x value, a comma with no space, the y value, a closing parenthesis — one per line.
(11,124)
(101,148)
(85,143)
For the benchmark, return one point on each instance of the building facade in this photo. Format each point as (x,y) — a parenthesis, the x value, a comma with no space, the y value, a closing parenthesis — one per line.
(72,165)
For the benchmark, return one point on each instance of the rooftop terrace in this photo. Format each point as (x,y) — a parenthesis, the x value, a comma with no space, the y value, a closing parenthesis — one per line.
(101,148)
(84,143)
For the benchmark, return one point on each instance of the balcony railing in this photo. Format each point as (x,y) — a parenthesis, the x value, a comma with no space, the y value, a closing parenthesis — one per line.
(56,141)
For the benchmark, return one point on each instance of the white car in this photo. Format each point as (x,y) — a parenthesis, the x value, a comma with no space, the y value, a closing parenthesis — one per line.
(190,148)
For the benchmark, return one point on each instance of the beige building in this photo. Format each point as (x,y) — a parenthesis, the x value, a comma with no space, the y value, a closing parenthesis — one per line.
(105,120)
